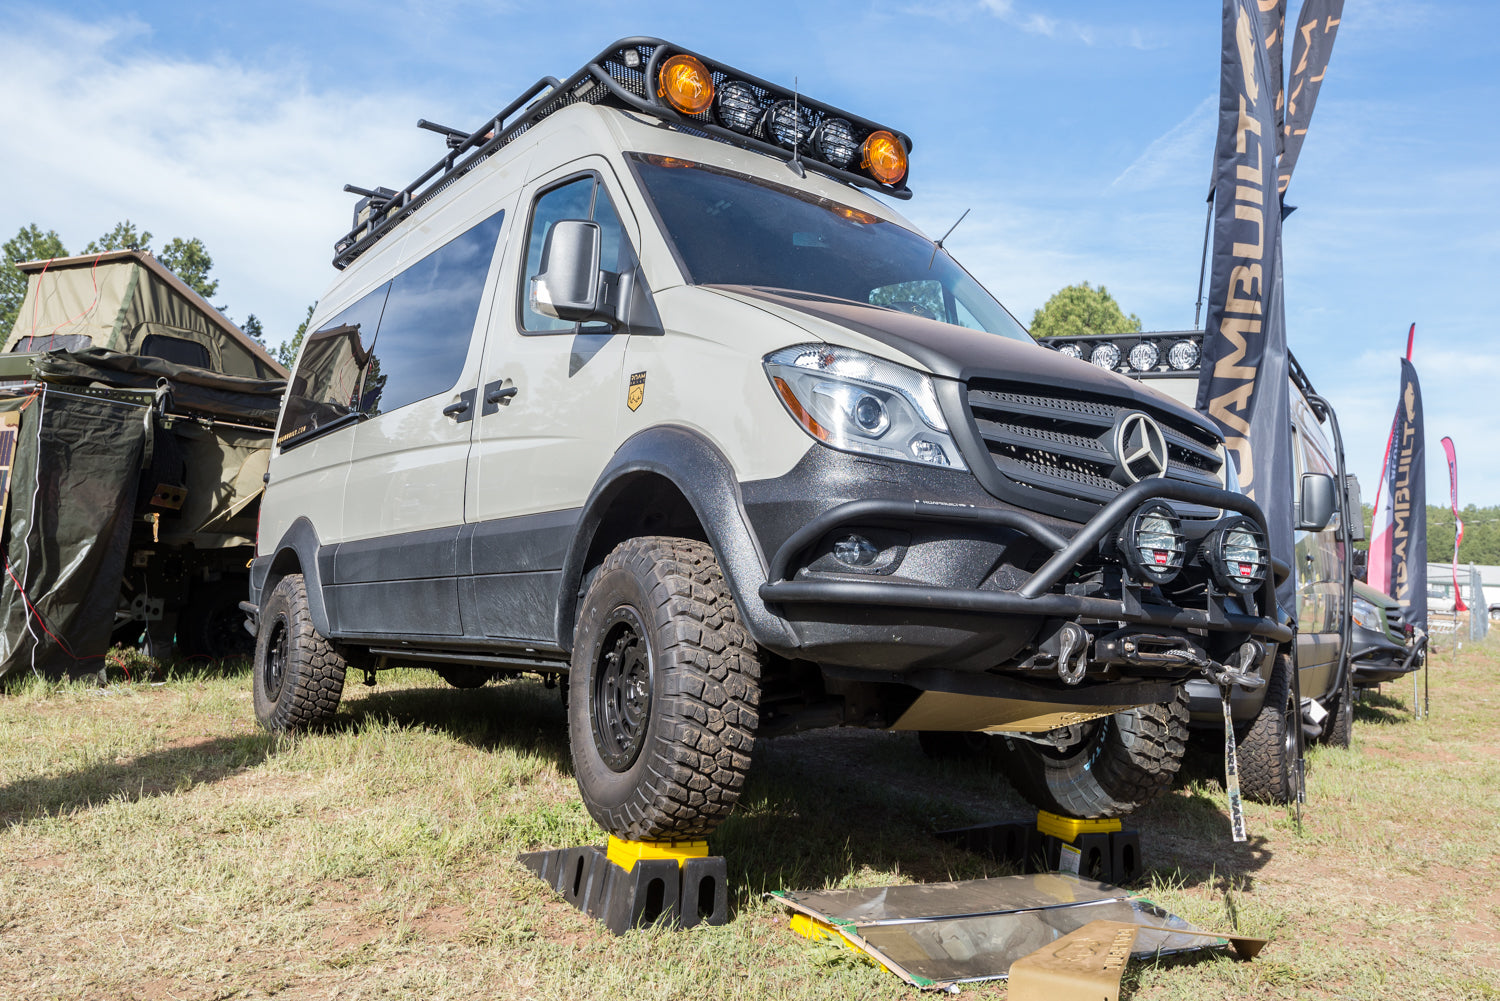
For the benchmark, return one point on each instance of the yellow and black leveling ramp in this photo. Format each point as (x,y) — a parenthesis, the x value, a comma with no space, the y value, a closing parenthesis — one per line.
(631,884)
(1094,849)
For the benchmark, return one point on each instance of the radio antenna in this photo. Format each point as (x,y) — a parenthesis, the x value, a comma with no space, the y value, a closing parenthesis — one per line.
(796,161)
(939,245)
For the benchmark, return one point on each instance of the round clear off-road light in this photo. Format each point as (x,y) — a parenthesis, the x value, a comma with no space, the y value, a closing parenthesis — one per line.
(1238,555)
(1153,544)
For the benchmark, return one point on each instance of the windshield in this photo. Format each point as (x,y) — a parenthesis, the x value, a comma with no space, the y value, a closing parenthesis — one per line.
(732,229)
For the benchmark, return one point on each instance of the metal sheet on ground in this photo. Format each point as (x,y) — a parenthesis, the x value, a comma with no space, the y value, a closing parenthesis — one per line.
(939,934)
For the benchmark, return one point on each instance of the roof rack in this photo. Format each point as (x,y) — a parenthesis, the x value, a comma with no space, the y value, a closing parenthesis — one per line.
(619,76)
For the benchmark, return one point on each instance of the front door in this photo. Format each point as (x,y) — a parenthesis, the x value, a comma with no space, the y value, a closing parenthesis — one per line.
(550,396)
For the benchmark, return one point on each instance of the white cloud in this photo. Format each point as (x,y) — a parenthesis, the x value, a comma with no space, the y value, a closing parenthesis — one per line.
(1031,23)
(245,157)
(1185,148)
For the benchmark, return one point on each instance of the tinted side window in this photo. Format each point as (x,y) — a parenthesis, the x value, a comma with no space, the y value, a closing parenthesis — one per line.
(584,198)
(326,384)
(178,350)
(428,322)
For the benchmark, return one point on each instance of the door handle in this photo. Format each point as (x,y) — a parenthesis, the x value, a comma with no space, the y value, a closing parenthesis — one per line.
(496,393)
(462,408)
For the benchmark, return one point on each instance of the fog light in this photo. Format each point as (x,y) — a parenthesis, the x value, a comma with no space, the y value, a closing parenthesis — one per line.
(790,125)
(1144,356)
(836,143)
(1153,544)
(1184,355)
(1106,355)
(739,106)
(1239,557)
(855,551)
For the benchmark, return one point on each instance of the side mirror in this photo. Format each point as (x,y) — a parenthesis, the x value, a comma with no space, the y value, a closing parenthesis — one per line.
(1361,561)
(1356,508)
(1317,504)
(570,285)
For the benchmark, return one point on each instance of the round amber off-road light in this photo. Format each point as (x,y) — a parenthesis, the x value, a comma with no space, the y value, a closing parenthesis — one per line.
(685,83)
(884,157)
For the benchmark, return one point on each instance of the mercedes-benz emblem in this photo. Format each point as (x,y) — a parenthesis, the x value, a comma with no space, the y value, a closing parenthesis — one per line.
(1140,448)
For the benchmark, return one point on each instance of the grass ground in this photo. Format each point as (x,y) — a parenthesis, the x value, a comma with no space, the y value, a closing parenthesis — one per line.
(155,844)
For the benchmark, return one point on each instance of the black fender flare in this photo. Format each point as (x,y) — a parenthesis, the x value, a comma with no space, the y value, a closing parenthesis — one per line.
(702,474)
(297,551)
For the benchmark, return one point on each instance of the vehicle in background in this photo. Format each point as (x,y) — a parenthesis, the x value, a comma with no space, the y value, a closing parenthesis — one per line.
(1169,361)
(1380,649)
(143,421)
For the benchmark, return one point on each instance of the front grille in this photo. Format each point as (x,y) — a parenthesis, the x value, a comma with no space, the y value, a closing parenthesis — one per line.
(1065,443)
(1394,621)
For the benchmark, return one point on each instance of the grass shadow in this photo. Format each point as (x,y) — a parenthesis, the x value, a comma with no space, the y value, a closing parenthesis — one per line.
(1380,709)
(515,713)
(156,773)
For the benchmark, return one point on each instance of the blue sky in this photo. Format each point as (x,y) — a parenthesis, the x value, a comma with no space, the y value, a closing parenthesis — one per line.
(1080,135)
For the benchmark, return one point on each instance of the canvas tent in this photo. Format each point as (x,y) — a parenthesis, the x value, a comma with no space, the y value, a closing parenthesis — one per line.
(127,301)
(135,426)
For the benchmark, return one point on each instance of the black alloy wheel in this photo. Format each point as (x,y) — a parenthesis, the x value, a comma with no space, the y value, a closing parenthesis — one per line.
(620,702)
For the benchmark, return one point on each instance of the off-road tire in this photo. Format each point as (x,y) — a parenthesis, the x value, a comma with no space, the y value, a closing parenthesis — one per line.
(660,609)
(465,675)
(299,675)
(1268,748)
(1126,761)
(1338,731)
(211,624)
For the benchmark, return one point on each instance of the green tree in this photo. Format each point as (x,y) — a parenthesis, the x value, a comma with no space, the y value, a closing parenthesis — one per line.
(29,244)
(190,261)
(122,237)
(286,351)
(1082,309)
(254,330)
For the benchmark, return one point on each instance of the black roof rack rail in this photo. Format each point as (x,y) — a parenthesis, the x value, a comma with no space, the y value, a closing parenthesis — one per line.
(619,75)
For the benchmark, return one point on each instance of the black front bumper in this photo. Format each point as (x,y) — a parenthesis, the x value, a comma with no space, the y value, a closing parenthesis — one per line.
(1377,660)
(972,621)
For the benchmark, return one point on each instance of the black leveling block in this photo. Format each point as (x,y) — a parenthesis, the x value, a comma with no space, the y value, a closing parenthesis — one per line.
(1098,849)
(638,883)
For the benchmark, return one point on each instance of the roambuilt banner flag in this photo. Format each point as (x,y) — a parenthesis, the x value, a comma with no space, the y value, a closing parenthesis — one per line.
(1398,543)
(1311,47)
(1458,523)
(1243,382)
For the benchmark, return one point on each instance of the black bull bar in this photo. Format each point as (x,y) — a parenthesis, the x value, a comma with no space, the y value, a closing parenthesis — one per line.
(1030,598)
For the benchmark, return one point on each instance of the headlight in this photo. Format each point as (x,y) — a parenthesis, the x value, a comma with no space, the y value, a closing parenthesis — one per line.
(858,403)
(1369,616)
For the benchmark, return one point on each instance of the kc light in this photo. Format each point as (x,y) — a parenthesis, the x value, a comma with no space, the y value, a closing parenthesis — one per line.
(739,106)
(1144,356)
(1071,350)
(1184,356)
(836,143)
(1238,555)
(1153,544)
(1106,355)
(858,403)
(685,83)
(791,124)
(884,157)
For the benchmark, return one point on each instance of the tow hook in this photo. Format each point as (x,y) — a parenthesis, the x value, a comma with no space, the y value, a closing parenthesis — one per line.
(1072,638)
(1240,668)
